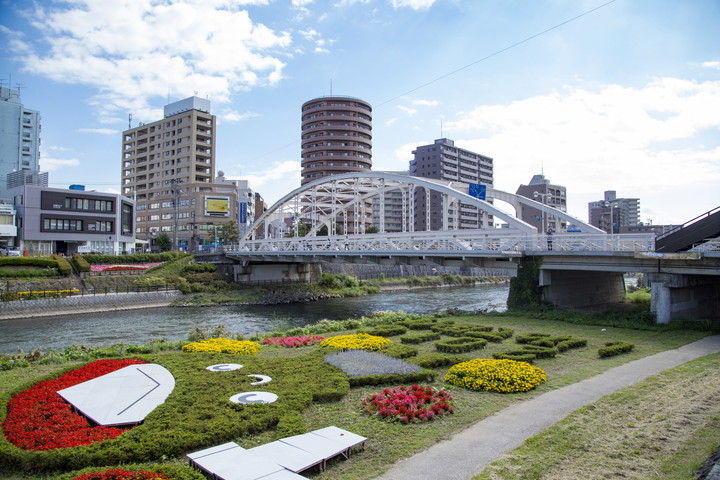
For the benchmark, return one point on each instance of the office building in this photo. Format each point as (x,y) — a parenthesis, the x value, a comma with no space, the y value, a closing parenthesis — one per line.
(613,214)
(542,191)
(19,136)
(336,137)
(442,160)
(68,221)
(168,167)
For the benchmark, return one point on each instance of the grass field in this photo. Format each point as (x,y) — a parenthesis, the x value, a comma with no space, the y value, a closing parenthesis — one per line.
(389,442)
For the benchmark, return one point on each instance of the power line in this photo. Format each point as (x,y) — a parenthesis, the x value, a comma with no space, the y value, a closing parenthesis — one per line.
(453,72)
(497,52)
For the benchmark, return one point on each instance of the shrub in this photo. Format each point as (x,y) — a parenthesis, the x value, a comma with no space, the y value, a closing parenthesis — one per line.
(358,341)
(615,348)
(419,338)
(435,360)
(531,337)
(386,330)
(338,281)
(398,350)
(407,405)
(290,424)
(198,268)
(502,376)
(460,344)
(419,323)
(359,363)
(82,264)
(460,329)
(517,355)
(63,265)
(568,343)
(223,345)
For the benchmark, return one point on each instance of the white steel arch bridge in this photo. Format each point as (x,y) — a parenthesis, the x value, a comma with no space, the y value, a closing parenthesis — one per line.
(348,200)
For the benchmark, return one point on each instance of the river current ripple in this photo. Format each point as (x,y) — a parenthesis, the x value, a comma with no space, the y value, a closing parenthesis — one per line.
(141,326)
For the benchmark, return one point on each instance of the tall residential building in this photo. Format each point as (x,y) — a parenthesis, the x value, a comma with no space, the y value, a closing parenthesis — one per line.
(168,167)
(442,160)
(541,190)
(19,136)
(336,137)
(612,213)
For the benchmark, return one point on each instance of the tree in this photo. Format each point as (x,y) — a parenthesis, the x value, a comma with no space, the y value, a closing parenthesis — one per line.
(163,242)
(229,232)
(372,229)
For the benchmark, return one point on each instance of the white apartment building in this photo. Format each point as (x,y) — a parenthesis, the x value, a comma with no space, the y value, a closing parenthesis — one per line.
(19,136)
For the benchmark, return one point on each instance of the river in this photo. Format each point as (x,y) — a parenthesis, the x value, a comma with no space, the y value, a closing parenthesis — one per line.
(141,326)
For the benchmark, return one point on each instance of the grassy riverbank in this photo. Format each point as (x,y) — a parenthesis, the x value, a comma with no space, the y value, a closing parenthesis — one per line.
(389,442)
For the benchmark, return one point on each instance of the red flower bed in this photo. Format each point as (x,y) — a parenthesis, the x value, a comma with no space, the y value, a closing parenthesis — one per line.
(413,404)
(293,341)
(118,474)
(40,419)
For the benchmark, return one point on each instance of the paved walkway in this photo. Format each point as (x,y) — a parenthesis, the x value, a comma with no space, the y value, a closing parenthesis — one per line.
(468,452)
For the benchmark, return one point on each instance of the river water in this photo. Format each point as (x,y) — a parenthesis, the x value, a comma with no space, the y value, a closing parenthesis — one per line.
(141,326)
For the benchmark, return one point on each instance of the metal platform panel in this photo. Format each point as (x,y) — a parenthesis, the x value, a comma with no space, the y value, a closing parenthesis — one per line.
(122,397)
(343,437)
(230,461)
(293,458)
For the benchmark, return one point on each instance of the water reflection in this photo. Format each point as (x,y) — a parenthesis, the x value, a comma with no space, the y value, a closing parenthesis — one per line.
(140,326)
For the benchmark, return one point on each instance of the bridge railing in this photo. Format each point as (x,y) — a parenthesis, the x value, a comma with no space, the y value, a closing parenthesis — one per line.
(453,241)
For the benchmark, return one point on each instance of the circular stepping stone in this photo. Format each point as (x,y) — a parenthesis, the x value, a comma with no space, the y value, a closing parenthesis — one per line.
(224,367)
(262,379)
(254,397)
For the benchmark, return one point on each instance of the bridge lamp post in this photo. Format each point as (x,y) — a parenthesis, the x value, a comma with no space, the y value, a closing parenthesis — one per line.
(542,196)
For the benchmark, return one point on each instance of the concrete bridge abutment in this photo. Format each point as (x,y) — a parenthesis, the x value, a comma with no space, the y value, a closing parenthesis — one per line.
(277,273)
(675,296)
(576,289)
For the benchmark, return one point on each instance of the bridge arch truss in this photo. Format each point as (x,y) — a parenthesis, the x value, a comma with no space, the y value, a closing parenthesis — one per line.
(347,200)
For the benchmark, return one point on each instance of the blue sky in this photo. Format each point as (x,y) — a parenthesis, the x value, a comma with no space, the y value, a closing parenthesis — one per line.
(623,98)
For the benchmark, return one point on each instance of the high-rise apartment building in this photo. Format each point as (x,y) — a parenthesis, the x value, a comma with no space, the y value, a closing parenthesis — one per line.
(168,167)
(541,190)
(612,213)
(442,160)
(336,137)
(19,136)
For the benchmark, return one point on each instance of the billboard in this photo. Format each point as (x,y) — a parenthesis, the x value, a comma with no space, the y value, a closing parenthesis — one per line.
(217,206)
(242,213)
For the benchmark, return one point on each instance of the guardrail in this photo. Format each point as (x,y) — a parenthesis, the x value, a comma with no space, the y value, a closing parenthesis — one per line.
(81,292)
(453,241)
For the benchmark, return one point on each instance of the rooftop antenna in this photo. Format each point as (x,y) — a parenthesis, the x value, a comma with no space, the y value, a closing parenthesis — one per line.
(331,87)
(129,121)
(18,86)
(542,167)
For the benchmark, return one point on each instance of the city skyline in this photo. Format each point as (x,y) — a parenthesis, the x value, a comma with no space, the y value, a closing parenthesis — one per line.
(596,95)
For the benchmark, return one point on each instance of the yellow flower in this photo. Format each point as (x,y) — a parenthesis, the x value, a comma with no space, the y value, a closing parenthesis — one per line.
(359,341)
(504,376)
(223,345)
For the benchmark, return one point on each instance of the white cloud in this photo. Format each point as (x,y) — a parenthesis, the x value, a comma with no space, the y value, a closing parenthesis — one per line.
(101,131)
(314,36)
(152,49)
(414,4)
(49,164)
(408,110)
(634,140)
(391,122)
(715,65)
(426,103)
(277,180)
(233,116)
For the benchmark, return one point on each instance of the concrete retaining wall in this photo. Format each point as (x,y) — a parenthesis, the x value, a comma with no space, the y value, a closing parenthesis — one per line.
(364,271)
(85,304)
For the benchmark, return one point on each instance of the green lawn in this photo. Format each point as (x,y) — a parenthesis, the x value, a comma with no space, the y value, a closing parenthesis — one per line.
(389,442)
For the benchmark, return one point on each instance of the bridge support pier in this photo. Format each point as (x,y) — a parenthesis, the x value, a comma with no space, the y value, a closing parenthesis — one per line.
(684,296)
(277,273)
(576,289)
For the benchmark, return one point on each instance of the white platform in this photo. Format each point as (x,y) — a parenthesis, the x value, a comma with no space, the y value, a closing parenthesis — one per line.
(122,397)
(230,461)
(293,458)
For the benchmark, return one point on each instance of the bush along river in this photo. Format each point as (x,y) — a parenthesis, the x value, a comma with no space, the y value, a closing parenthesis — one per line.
(175,323)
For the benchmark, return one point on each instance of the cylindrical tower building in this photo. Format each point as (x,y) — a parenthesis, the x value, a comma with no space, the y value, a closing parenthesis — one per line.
(336,137)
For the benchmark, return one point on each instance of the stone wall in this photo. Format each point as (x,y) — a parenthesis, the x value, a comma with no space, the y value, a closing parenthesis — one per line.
(367,271)
(85,304)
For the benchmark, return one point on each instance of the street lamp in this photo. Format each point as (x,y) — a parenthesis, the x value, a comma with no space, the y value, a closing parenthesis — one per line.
(609,204)
(542,196)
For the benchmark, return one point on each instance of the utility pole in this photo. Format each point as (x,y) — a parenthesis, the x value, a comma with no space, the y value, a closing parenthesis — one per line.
(175,189)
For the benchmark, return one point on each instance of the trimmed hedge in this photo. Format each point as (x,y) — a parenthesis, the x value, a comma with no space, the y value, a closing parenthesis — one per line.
(198,268)
(386,330)
(29,262)
(417,338)
(128,259)
(198,413)
(435,360)
(63,265)
(425,323)
(394,378)
(81,263)
(517,355)
(460,344)
(398,350)
(615,348)
(531,337)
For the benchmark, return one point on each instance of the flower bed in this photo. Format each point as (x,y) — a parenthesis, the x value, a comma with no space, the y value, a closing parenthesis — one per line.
(123,268)
(359,363)
(293,342)
(406,405)
(223,345)
(40,419)
(503,376)
(362,341)
(119,474)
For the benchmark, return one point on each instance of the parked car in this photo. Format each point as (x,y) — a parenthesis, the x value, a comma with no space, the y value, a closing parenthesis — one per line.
(3,251)
(14,252)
